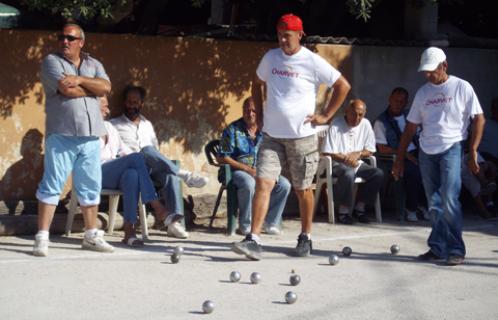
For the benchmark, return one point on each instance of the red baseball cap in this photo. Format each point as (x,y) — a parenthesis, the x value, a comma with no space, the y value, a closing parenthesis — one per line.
(290,22)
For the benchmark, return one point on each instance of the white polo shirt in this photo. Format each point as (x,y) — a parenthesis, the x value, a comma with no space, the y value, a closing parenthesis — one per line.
(135,136)
(341,138)
(292,83)
(444,111)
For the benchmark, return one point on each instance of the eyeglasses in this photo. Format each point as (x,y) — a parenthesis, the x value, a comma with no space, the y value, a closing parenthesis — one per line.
(67,37)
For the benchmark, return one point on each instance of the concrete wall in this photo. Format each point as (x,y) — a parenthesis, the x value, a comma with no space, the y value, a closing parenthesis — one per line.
(195,87)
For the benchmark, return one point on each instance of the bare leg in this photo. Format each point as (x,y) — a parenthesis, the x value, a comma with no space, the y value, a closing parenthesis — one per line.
(90,216)
(159,210)
(260,203)
(305,198)
(45,215)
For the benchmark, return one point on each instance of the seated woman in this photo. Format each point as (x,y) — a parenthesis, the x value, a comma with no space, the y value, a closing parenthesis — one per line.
(128,172)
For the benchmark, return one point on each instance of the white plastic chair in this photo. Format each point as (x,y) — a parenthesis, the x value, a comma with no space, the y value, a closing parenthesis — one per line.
(324,176)
(113,209)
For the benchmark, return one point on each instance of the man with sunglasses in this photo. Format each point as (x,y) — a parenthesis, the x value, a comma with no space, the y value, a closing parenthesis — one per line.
(72,81)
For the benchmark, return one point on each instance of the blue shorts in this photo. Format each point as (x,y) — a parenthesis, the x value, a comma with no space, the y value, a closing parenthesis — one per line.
(64,154)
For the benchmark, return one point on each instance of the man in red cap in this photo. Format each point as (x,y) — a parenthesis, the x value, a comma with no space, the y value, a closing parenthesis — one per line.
(291,75)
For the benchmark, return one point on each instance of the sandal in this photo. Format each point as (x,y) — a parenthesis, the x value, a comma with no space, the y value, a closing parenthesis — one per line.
(133,242)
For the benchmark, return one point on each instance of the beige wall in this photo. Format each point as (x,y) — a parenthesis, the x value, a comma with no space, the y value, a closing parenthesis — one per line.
(195,87)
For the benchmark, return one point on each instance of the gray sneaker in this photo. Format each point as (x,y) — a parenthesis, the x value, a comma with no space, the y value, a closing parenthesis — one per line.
(304,246)
(248,247)
(40,248)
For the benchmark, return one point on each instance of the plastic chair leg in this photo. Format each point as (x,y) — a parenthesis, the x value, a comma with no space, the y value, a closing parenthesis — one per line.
(142,213)
(113,208)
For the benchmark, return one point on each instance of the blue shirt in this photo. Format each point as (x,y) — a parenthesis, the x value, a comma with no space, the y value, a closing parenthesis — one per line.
(237,144)
(71,116)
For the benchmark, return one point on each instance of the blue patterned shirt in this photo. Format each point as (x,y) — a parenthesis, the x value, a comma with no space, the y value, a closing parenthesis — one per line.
(237,144)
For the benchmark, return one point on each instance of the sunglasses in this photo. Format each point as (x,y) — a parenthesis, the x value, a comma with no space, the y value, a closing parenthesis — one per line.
(69,38)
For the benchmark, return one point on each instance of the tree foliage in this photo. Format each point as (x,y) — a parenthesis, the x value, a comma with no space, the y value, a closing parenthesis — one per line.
(82,9)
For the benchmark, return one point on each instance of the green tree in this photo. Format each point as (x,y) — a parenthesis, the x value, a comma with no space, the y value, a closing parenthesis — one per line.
(86,9)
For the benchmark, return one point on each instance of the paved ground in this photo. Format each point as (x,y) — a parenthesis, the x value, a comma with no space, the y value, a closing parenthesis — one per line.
(143,284)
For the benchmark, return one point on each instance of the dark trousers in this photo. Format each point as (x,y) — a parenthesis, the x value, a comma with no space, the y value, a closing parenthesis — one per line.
(344,188)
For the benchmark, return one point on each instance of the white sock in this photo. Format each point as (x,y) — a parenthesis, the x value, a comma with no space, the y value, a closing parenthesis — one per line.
(343,209)
(360,206)
(42,234)
(90,233)
(183,174)
(256,238)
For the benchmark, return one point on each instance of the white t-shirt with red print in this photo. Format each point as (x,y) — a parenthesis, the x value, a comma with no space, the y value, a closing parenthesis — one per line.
(444,111)
(292,83)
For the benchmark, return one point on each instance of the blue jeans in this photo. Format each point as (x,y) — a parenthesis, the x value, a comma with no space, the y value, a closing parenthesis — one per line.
(245,185)
(442,183)
(130,175)
(164,175)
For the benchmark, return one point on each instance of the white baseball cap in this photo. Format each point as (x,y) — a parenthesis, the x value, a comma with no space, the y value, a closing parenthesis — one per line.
(431,58)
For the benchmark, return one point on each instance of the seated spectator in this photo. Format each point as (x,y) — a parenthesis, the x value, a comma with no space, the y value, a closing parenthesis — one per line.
(481,185)
(138,134)
(487,147)
(239,147)
(388,129)
(126,171)
(350,139)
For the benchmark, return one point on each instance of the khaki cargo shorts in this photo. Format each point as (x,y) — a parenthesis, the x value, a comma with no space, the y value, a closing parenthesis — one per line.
(296,159)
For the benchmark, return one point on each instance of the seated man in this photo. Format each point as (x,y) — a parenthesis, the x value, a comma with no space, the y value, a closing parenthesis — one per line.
(481,186)
(138,135)
(126,171)
(487,147)
(239,147)
(350,138)
(388,129)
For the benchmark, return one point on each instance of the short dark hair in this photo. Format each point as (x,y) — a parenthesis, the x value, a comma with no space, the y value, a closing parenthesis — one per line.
(400,90)
(247,101)
(133,88)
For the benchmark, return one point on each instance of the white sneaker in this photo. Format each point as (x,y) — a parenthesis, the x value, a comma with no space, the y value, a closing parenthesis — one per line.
(97,243)
(424,212)
(195,181)
(411,216)
(40,248)
(273,230)
(176,230)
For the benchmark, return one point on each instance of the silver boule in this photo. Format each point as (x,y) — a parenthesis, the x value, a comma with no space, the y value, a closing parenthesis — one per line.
(178,251)
(175,258)
(234,276)
(255,277)
(294,280)
(290,297)
(395,249)
(347,251)
(333,259)
(208,306)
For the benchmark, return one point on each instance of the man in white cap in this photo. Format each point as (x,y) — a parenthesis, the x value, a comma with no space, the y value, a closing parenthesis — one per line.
(443,107)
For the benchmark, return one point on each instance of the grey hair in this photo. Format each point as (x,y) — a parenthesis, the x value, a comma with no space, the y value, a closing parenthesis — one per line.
(82,33)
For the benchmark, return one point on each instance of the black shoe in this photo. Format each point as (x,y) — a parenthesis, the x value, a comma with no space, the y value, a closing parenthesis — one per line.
(428,256)
(304,246)
(345,219)
(454,260)
(248,247)
(362,217)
